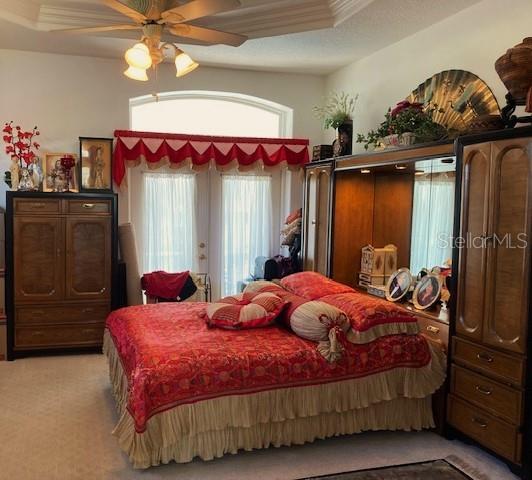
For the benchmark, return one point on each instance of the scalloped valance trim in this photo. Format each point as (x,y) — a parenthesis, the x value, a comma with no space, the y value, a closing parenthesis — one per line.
(198,152)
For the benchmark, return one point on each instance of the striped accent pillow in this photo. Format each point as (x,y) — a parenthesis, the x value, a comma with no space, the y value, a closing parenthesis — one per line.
(245,310)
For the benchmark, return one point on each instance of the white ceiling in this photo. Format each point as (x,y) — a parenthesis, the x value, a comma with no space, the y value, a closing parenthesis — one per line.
(305,36)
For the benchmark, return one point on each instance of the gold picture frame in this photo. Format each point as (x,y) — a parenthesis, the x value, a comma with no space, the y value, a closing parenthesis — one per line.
(95,167)
(54,179)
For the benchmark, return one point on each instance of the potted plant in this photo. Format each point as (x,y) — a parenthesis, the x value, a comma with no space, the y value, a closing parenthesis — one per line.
(405,124)
(337,113)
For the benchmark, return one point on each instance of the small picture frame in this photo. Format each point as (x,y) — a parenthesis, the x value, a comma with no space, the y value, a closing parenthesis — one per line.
(96,164)
(398,284)
(427,292)
(53,174)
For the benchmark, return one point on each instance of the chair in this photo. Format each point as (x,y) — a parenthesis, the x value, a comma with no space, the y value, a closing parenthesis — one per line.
(128,253)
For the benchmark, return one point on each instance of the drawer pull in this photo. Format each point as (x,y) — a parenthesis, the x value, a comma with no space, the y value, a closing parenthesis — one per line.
(485,357)
(88,205)
(38,204)
(88,310)
(88,330)
(483,390)
(37,333)
(481,423)
(432,329)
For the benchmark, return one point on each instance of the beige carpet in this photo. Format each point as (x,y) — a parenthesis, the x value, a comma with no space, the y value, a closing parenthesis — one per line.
(57,413)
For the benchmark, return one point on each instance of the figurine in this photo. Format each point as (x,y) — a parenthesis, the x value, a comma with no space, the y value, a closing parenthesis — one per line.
(14,169)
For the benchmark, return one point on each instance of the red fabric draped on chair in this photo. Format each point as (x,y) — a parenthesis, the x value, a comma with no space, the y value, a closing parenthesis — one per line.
(198,151)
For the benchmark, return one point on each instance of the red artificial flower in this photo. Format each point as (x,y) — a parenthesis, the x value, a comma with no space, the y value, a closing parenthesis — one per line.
(36,145)
(404,105)
(9,149)
(8,138)
(37,132)
(18,127)
(7,128)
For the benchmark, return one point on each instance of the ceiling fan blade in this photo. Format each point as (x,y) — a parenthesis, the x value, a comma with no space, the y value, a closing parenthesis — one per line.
(107,28)
(125,10)
(199,8)
(207,35)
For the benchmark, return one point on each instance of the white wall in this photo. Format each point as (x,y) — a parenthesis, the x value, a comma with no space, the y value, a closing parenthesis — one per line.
(69,96)
(470,40)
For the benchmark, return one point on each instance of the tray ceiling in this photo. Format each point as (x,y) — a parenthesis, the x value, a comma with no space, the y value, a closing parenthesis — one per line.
(307,36)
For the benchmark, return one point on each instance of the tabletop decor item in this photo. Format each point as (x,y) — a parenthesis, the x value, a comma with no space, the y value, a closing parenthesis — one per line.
(515,70)
(398,285)
(427,292)
(95,165)
(55,176)
(67,163)
(22,149)
(337,113)
(405,124)
(464,98)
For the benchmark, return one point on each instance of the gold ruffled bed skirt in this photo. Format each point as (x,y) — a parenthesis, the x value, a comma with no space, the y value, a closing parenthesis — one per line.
(399,399)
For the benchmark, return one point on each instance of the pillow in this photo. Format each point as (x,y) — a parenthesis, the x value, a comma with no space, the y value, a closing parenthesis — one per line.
(313,285)
(371,317)
(313,320)
(246,310)
(262,286)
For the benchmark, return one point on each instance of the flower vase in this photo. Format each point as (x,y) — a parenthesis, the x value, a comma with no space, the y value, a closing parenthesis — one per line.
(25,182)
(343,145)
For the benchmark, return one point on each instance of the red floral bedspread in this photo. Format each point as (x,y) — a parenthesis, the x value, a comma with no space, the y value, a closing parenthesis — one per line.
(365,311)
(171,358)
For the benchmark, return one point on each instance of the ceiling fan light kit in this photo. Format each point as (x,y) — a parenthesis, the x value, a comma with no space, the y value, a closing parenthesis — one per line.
(152,17)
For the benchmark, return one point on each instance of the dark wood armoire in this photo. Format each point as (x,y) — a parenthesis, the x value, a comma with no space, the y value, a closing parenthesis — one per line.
(491,375)
(61,254)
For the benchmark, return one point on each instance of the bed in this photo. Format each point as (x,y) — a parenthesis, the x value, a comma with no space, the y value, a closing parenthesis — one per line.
(184,390)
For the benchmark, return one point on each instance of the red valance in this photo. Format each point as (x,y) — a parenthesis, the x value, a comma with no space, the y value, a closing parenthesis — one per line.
(226,152)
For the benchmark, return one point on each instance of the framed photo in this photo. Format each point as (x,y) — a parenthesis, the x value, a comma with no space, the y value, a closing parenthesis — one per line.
(54,178)
(427,292)
(398,284)
(95,165)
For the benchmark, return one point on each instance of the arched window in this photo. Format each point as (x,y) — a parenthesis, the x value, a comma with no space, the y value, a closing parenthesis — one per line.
(234,218)
(210,113)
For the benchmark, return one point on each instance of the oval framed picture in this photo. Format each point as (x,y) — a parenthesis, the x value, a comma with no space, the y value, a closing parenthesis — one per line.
(398,284)
(427,292)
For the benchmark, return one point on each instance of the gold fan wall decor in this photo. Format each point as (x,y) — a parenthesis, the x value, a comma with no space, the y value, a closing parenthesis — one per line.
(461,96)
(155,17)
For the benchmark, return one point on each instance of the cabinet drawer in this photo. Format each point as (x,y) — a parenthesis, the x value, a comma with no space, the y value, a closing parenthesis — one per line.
(36,206)
(88,207)
(62,314)
(498,399)
(435,331)
(497,435)
(58,336)
(491,362)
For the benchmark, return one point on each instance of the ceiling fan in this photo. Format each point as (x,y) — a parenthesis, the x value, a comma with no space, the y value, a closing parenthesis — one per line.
(153,17)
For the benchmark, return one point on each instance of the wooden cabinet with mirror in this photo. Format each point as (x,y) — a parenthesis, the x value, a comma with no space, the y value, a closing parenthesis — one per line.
(61,259)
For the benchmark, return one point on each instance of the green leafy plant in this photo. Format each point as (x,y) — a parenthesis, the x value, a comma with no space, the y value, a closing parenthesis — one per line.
(337,109)
(406,117)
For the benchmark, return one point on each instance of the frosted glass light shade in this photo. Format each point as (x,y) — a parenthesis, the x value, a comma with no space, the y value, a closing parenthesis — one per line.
(184,64)
(136,74)
(138,56)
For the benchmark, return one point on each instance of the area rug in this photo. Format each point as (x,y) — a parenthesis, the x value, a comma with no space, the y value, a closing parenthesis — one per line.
(433,470)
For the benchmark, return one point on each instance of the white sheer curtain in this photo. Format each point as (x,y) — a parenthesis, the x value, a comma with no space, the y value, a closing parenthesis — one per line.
(432,220)
(246,226)
(169,222)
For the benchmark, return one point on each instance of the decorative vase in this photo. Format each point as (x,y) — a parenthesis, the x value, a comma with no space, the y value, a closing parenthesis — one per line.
(25,180)
(343,145)
(67,163)
(515,70)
